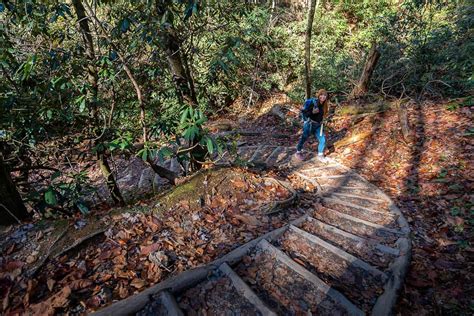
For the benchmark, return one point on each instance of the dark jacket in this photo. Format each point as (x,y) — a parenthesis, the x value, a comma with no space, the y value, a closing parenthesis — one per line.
(313,110)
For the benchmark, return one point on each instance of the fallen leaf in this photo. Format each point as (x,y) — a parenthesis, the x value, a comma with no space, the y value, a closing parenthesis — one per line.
(138,283)
(146,250)
(30,259)
(248,219)
(47,307)
(50,283)
(80,284)
(200,251)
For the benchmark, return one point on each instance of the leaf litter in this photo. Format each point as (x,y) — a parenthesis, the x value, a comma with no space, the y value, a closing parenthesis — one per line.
(161,237)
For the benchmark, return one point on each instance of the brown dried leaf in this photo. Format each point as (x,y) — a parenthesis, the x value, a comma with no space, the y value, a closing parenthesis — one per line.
(248,219)
(138,283)
(50,283)
(47,307)
(80,284)
(146,250)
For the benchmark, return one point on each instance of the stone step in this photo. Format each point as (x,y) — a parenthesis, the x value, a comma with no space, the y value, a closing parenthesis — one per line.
(284,157)
(384,218)
(357,226)
(266,152)
(290,289)
(256,154)
(244,290)
(170,304)
(355,190)
(355,278)
(245,153)
(324,171)
(272,158)
(163,304)
(218,295)
(365,201)
(343,181)
(368,250)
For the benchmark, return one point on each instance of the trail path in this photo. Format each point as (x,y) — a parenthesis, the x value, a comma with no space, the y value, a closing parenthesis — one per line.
(347,255)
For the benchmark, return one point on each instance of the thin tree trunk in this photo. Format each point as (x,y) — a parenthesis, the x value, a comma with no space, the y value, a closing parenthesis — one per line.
(161,171)
(92,78)
(307,46)
(181,78)
(109,179)
(362,85)
(176,64)
(12,209)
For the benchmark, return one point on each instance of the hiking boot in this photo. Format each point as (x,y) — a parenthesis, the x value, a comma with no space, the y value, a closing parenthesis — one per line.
(322,158)
(299,155)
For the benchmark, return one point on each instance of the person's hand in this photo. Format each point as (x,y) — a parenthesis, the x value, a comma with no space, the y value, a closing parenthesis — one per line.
(315,110)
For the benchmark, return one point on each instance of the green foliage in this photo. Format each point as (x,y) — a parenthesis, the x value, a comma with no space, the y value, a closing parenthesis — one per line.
(65,193)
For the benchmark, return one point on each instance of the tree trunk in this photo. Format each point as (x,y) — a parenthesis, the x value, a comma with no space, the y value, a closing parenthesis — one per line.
(92,78)
(109,179)
(176,65)
(161,171)
(12,209)
(362,86)
(307,46)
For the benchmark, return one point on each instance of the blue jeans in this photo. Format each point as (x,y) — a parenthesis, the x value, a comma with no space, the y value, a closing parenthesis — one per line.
(315,129)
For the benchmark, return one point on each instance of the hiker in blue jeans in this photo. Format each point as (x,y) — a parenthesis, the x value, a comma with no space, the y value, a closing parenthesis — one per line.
(313,113)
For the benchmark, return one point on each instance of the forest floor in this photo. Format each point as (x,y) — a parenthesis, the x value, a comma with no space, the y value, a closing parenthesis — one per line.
(429,175)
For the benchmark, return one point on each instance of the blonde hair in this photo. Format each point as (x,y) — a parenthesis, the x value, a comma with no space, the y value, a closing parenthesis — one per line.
(325,104)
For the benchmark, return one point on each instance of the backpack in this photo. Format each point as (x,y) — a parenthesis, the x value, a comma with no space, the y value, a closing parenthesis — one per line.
(308,106)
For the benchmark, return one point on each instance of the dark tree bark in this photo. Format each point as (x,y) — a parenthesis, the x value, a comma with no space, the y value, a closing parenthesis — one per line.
(307,46)
(362,85)
(92,78)
(12,209)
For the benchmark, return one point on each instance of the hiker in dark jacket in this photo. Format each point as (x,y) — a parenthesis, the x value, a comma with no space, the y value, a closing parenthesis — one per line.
(313,113)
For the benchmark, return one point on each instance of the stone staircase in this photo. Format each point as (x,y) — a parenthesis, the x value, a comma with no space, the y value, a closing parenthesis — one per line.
(346,257)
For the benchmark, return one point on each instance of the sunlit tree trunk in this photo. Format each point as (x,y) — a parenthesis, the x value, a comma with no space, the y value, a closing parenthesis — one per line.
(362,85)
(12,209)
(307,46)
(92,78)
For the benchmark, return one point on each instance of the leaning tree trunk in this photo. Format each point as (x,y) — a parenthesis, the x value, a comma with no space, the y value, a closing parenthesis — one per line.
(182,79)
(307,46)
(362,85)
(12,209)
(92,78)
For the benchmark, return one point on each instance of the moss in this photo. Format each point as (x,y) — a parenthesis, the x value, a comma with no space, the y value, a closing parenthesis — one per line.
(361,109)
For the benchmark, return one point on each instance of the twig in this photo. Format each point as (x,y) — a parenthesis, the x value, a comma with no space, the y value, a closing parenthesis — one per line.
(9,212)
